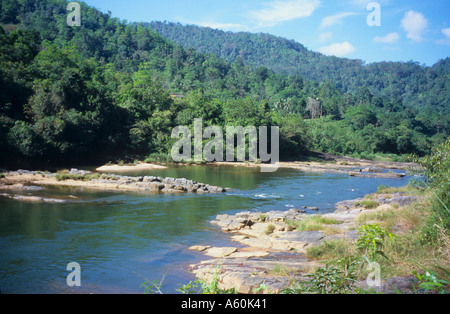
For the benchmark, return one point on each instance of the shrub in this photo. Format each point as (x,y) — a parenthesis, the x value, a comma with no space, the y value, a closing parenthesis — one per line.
(372,239)
(312,223)
(368,204)
(382,188)
(63,176)
(331,250)
(202,287)
(262,217)
(435,175)
(270,229)
(160,158)
(339,279)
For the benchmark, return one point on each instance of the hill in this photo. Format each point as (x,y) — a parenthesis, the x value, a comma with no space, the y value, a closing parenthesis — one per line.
(105,91)
(416,85)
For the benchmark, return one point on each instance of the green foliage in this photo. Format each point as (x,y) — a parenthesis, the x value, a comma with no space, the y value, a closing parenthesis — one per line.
(431,281)
(153,287)
(435,173)
(63,176)
(312,223)
(103,90)
(382,188)
(369,204)
(202,287)
(383,84)
(270,229)
(339,279)
(372,240)
(262,217)
(159,158)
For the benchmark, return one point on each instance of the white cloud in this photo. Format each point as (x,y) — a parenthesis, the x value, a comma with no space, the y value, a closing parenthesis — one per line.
(388,39)
(415,24)
(446,40)
(335,19)
(446,32)
(325,36)
(281,11)
(338,49)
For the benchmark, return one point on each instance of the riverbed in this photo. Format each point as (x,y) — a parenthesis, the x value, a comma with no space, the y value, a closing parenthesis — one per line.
(122,239)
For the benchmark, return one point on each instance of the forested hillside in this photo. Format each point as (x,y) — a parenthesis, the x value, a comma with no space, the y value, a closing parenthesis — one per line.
(414,84)
(104,91)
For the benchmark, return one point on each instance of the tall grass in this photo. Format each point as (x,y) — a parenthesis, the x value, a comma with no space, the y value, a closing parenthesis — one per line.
(312,223)
(436,173)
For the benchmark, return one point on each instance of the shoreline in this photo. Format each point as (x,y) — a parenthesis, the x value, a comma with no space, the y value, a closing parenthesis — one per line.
(101,179)
(125,168)
(256,250)
(24,180)
(328,163)
(270,253)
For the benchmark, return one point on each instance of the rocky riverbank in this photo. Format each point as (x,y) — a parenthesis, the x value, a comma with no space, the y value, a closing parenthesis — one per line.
(25,180)
(327,163)
(269,250)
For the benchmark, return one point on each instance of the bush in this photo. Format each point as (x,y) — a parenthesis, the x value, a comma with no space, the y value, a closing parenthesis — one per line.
(435,177)
(270,229)
(312,223)
(368,204)
(157,157)
(372,240)
(339,279)
(63,176)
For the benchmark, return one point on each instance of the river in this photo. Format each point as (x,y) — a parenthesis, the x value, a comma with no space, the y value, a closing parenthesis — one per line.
(120,240)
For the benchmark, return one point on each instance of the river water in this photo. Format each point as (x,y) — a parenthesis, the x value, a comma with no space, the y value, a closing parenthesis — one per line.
(120,240)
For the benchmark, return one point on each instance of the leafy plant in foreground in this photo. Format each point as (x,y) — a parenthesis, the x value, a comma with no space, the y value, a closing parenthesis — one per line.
(431,281)
(435,177)
(339,279)
(372,240)
(201,287)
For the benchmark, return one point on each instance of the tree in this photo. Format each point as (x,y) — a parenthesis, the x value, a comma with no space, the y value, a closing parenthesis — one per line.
(314,108)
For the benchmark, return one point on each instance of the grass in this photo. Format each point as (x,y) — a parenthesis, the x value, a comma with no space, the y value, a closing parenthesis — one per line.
(312,223)
(409,253)
(330,251)
(283,271)
(270,229)
(368,204)
(63,176)
(159,158)
(380,157)
(2,175)
(263,217)
(407,190)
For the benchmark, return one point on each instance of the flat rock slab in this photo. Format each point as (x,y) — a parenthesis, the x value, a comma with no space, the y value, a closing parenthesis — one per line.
(274,253)
(220,252)
(307,237)
(247,276)
(248,254)
(199,248)
(33,199)
(17,180)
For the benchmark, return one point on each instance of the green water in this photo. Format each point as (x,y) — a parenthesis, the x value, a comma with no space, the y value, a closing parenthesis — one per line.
(122,239)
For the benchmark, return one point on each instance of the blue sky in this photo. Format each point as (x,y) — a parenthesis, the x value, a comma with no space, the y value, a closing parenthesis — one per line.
(401,30)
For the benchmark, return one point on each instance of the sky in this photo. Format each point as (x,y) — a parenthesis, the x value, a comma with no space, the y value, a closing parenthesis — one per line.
(372,31)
